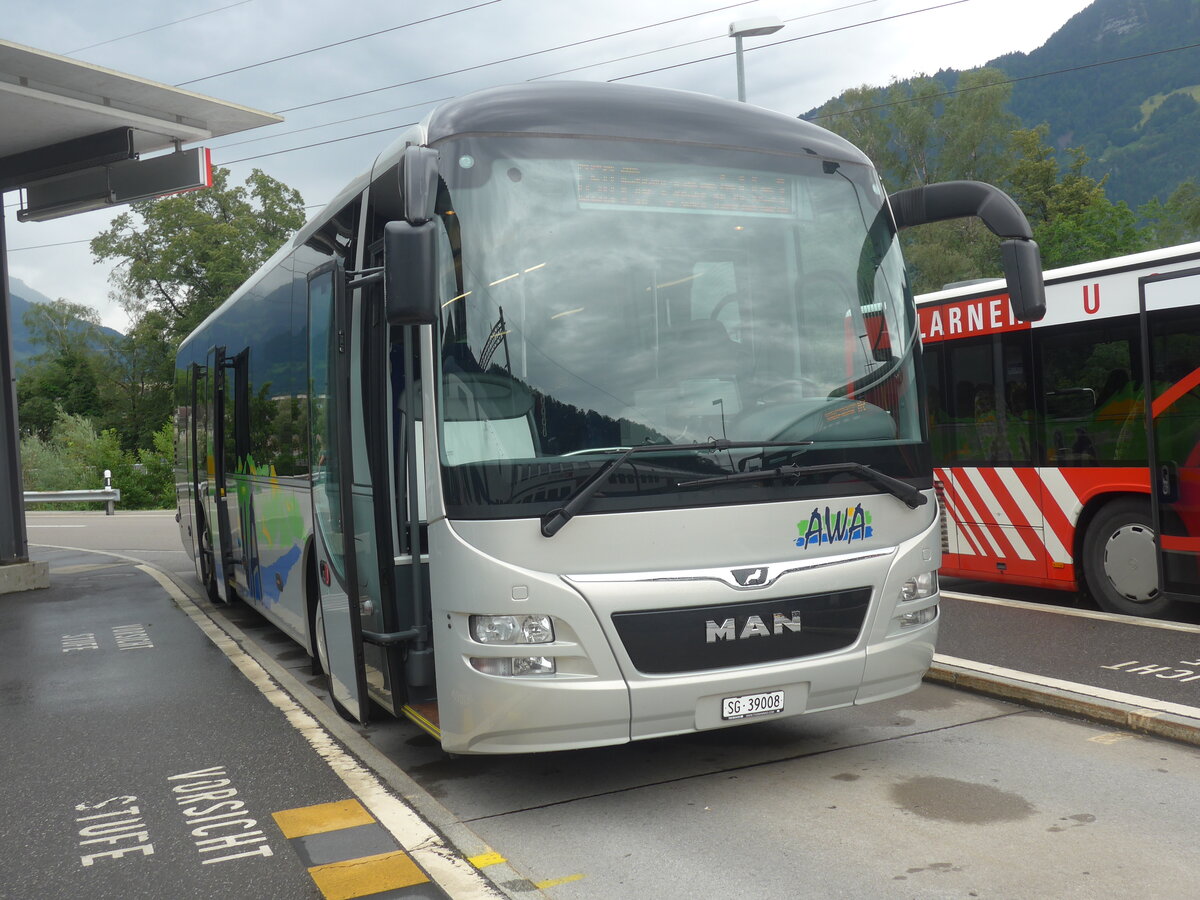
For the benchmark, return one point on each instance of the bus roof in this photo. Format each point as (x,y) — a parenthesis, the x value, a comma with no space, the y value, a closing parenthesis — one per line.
(600,109)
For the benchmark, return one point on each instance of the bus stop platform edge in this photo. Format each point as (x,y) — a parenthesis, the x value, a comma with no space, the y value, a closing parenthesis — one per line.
(114,704)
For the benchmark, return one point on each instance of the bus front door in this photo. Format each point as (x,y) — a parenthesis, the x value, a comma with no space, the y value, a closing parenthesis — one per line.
(1171,347)
(200,475)
(218,446)
(337,621)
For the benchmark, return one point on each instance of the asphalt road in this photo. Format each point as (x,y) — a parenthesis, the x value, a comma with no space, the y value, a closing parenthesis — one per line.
(941,793)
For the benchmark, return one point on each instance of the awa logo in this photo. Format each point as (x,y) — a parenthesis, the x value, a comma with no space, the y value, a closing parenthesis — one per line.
(843,526)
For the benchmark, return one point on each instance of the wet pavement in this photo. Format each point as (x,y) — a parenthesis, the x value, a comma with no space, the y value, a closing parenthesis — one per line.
(1058,654)
(145,756)
(128,696)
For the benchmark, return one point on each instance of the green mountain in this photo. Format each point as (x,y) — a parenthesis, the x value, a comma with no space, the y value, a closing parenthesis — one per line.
(1138,119)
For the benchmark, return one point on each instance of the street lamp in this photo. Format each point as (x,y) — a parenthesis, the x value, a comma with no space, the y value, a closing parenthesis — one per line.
(749,28)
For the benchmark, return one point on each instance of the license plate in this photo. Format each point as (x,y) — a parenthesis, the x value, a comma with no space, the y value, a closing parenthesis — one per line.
(748,705)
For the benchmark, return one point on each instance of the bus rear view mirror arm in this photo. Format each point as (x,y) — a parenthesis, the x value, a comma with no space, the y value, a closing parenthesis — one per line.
(1000,213)
(410,273)
(419,183)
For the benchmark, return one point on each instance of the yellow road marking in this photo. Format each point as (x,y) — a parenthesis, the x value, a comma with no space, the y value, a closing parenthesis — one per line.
(555,882)
(323,817)
(483,860)
(366,876)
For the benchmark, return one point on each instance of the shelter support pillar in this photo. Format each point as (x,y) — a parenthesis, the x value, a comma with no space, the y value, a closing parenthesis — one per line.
(14,546)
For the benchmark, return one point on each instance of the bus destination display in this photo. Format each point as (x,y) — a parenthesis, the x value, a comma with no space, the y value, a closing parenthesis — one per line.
(615,186)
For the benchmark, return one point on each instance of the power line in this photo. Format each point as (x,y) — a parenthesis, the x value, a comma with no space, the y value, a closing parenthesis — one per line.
(338,140)
(157,27)
(639,28)
(802,37)
(693,43)
(590,40)
(361,37)
(519,56)
(382,112)
(45,246)
(828,115)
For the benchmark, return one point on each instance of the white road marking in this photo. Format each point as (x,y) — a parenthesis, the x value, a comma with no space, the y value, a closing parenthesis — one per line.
(454,874)
(1078,613)
(1087,690)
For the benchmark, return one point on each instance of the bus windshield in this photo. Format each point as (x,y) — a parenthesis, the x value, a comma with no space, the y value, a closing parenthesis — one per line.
(599,295)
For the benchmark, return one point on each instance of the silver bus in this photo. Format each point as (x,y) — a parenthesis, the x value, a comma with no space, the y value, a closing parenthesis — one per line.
(589,413)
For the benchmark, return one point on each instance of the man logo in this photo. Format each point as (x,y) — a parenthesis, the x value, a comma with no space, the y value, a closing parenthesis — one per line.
(754,626)
(750,577)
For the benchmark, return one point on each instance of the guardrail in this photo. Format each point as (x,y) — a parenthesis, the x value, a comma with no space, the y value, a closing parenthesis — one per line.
(108,495)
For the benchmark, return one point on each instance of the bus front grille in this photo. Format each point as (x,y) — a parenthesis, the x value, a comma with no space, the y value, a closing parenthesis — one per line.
(695,639)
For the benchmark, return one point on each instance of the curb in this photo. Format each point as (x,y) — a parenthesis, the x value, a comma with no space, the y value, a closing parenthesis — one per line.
(496,875)
(1141,719)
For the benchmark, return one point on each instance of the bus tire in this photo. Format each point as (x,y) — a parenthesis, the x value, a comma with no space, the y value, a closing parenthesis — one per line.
(1120,568)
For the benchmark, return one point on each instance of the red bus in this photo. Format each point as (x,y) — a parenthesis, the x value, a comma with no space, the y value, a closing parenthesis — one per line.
(1044,444)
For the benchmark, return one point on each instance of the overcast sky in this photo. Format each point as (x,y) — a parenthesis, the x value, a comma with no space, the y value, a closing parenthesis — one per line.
(825,47)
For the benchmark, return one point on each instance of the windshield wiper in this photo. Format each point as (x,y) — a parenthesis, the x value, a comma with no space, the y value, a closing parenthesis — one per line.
(553,521)
(894,486)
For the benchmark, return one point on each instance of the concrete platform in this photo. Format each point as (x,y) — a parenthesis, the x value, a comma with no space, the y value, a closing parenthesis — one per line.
(24,576)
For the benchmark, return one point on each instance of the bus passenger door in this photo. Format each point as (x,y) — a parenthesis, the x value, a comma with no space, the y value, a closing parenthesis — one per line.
(238,493)
(200,473)
(1171,346)
(338,623)
(219,444)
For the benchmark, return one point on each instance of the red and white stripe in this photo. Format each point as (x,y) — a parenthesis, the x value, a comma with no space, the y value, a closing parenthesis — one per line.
(1007,513)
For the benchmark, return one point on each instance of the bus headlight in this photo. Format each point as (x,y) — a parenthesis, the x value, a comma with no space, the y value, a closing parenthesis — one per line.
(526,629)
(919,587)
(514,665)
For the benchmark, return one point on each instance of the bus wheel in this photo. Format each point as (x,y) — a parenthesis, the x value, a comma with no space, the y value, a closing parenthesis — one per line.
(1119,561)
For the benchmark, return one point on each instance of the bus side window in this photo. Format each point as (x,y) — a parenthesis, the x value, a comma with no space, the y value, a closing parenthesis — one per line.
(941,428)
(1093,408)
(972,404)
(1018,411)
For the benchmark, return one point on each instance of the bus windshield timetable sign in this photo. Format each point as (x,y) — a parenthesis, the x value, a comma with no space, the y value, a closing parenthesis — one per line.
(624,186)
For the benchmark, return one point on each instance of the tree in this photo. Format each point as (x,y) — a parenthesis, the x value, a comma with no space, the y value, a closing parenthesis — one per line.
(1073,220)
(64,377)
(1178,220)
(181,256)
(137,383)
(919,132)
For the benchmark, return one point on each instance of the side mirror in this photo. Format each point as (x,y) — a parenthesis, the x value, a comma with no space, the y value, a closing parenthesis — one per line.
(410,273)
(1023,272)
(1000,213)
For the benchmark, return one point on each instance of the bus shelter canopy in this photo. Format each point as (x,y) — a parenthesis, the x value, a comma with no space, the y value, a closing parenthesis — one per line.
(70,125)
(48,100)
